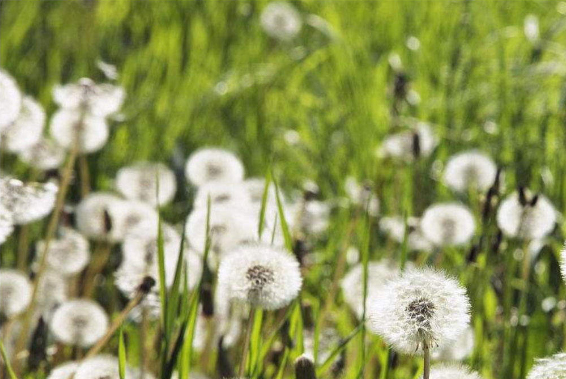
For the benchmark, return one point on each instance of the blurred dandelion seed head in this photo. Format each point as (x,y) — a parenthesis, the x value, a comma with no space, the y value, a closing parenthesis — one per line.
(281,20)
(211,164)
(15,292)
(525,220)
(470,169)
(447,224)
(80,322)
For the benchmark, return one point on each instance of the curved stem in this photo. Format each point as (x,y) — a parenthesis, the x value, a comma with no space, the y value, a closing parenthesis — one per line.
(249,328)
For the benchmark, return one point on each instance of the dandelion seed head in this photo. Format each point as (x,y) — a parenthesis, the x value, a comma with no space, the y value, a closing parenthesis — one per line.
(10,100)
(15,292)
(260,275)
(27,202)
(63,371)
(26,129)
(362,195)
(51,291)
(531,28)
(526,221)
(446,224)
(69,254)
(90,131)
(379,272)
(457,350)
(43,155)
(409,144)
(255,188)
(470,169)
(80,322)
(140,182)
(311,216)
(395,227)
(6,224)
(222,193)
(420,306)
(212,164)
(452,372)
(281,20)
(101,367)
(553,367)
(100,100)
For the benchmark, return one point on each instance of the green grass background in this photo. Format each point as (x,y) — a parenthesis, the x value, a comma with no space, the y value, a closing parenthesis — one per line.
(203,73)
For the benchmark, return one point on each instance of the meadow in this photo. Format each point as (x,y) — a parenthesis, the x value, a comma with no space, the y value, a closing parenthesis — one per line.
(348,115)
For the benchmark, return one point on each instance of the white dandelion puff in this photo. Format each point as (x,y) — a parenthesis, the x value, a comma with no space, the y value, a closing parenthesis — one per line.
(43,155)
(260,275)
(447,224)
(379,272)
(531,28)
(457,350)
(68,254)
(256,187)
(91,132)
(310,216)
(140,182)
(64,371)
(470,169)
(10,100)
(80,322)
(362,195)
(525,216)
(394,226)
(6,224)
(453,372)
(51,291)
(553,367)
(410,144)
(222,193)
(15,292)
(421,306)
(212,164)
(99,100)
(27,202)
(101,367)
(26,130)
(281,20)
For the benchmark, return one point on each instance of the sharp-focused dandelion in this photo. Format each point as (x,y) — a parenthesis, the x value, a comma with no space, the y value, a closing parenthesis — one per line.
(79,322)
(526,216)
(448,224)
(260,275)
(553,367)
(15,292)
(207,165)
(470,169)
(281,20)
(140,182)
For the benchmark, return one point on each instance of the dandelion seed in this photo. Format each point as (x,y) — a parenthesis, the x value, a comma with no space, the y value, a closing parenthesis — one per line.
(100,100)
(15,292)
(526,217)
(26,130)
(140,182)
(27,202)
(67,126)
(458,350)
(68,254)
(453,372)
(212,164)
(362,196)
(222,193)
(409,145)
(281,20)
(395,228)
(420,308)
(261,275)
(552,367)
(44,155)
(64,371)
(446,224)
(80,322)
(470,169)
(10,100)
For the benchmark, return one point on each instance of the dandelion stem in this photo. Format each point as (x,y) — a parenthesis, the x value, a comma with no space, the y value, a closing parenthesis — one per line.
(84,175)
(249,328)
(98,264)
(23,247)
(426,357)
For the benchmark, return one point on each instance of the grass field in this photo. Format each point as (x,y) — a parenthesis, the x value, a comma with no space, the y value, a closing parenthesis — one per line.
(316,108)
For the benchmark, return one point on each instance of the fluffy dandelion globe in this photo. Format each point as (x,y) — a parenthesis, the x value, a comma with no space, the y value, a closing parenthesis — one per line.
(43,155)
(222,193)
(101,367)
(553,367)
(395,227)
(310,216)
(27,202)
(26,130)
(68,254)
(15,292)
(10,100)
(281,20)
(470,169)
(528,217)
(362,196)
(458,350)
(140,182)
(421,306)
(51,291)
(206,165)
(446,224)
(261,275)
(80,322)
(6,224)
(256,187)
(379,272)
(409,145)
(99,100)
(453,372)
(68,126)
(64,371)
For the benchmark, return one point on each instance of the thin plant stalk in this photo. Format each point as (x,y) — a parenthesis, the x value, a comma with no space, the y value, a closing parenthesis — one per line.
(426,358)
(96,268)
(84,175)
(246,349)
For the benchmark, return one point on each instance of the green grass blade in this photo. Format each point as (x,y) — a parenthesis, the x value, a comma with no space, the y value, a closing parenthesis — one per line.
(263,203)
(284,225)
(121,355)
